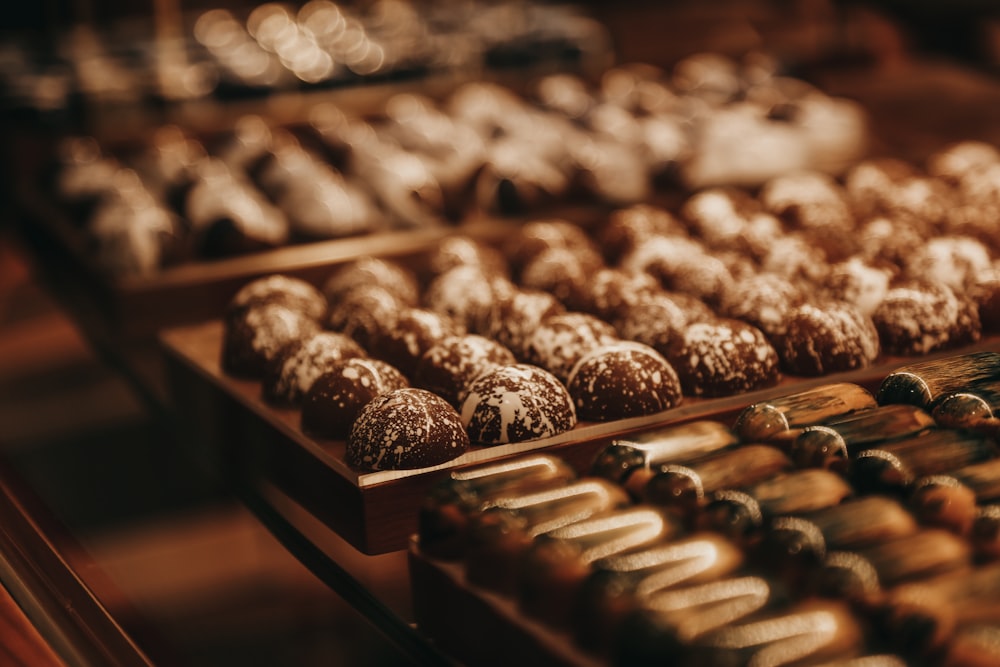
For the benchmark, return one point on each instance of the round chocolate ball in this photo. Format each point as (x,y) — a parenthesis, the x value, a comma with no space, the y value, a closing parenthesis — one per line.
(722,358)
(337,396)
(831,337)
(405,429)
(621,380)
(448,367)
(252,338)
(516,403)
(292,293)
(288,377)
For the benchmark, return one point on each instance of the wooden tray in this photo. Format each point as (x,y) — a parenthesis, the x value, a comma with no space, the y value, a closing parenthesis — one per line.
(137,307)
(234,431)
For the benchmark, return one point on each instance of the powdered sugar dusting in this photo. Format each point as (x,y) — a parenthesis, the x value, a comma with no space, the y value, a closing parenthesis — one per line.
(516,403)
(405,429)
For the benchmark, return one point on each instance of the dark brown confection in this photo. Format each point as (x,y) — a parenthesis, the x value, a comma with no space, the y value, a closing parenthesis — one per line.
(611,290)
(388,274)
(404,429)
(886,240)
(449,366)
(255,336)
(858,282)
(516,403)
(629,227)
(415,331)
(513,320)
(364,312)
(560,340)
(718,216)
(562,272)
(657,321)
(815,204)
(722,358)
(682,265)
(763,300)
(955,261)
(467,294)
(830,337)
(290,374)
(534,237)
(461,250)
(918,317)
(621,380)
(337,396)
(293,293)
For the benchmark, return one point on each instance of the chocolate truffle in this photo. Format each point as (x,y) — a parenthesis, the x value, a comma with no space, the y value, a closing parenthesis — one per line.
(364,312)
(918,317)
(830,337)
(513,320)
(404,429)
(448,367)
(559,271)
(460,250)
(630,227)
(763,300)
(388,274)
(293,293)
(516,403)
(722,358)
(255,336)
(560,340)
(536,236)
(621,380)
(860,283)
(467,294)
(415,331)
(657,321)
(288,377)
(611,289)
(337,396)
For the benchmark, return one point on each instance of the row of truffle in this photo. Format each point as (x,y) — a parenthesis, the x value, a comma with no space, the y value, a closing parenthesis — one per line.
(421,161)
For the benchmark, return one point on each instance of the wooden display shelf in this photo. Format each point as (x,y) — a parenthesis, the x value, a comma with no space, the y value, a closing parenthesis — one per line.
(234,430)
(446,607)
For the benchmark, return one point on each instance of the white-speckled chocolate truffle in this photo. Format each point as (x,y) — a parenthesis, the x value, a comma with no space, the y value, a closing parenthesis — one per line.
(621,380)
(290,374)
(364,312)
(448,367)
(514,319)
(722,358)
(337,396)
(657,321)
(467,294)
(293,293)
(611,289)
(388,274)
(516,403)
(859,282)
(405,429)
(415,331)
(829,337)
(560,340)
(763,300)
(918,317)
(254,337)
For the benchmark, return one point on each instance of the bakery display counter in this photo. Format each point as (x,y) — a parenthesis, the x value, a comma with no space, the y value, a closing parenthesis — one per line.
(813,231)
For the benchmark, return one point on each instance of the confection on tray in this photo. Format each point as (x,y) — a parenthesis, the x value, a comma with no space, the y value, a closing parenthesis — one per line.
(717,542)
